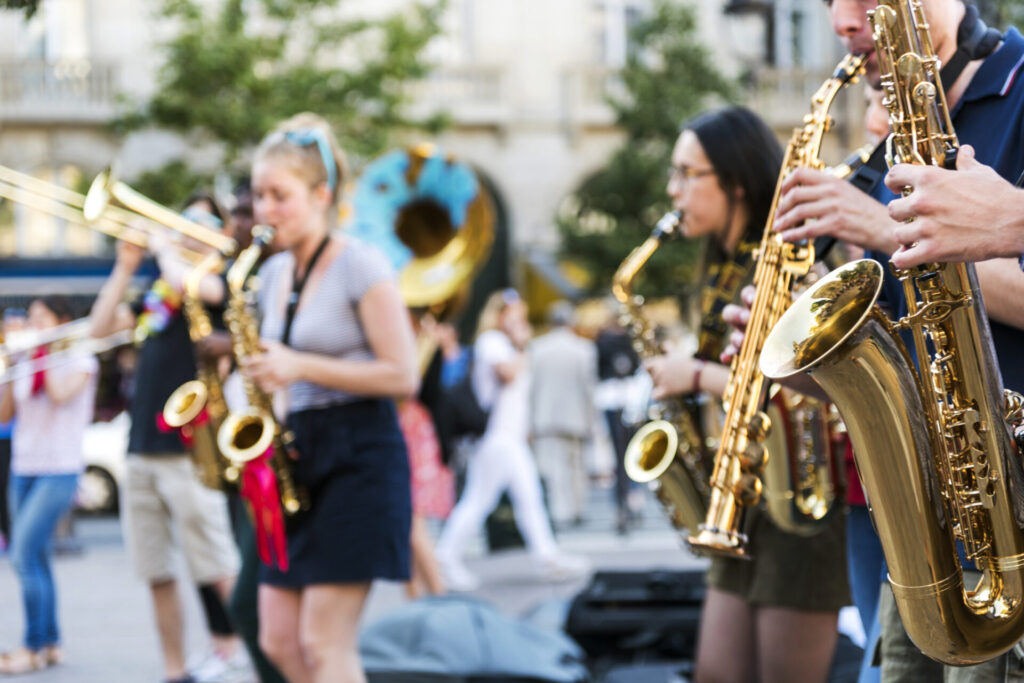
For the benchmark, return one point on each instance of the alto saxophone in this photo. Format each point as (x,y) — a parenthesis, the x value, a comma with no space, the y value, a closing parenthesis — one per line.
(668,452)
(747,434)
(933,444)
(197,407)
(248,434)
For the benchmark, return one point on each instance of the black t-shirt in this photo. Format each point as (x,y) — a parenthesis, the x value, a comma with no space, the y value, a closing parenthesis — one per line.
(166,360)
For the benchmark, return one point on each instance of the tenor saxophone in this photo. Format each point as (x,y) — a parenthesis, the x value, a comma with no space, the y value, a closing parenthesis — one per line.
(933,447)
(666,453)
(742,459)
(197,407)
(248,434)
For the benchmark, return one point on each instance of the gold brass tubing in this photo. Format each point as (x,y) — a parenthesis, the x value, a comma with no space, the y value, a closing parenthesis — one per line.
(106,188)
(834,333)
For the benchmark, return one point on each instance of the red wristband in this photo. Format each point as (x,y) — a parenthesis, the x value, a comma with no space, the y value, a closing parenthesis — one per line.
(696,376)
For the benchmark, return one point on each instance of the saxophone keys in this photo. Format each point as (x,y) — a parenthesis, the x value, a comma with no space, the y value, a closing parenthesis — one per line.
(747,489)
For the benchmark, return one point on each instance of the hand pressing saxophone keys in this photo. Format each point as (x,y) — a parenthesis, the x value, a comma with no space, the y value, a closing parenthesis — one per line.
(275,368)
(814,203)
(970,214)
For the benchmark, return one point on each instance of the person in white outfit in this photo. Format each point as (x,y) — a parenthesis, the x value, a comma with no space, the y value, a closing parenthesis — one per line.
(502,459)
(563,378)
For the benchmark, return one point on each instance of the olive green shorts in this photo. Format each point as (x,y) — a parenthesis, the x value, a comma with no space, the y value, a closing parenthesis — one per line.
(805,573)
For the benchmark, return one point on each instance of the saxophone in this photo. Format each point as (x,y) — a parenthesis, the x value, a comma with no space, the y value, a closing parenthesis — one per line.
(668,452)
(933,446)
(246,435)
(805,475)
(197,407)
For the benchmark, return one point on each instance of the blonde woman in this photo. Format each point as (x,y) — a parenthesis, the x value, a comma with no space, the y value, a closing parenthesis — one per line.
(502,459)
(337,339)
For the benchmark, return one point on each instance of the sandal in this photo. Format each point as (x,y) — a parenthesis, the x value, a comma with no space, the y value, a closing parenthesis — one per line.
(52,654)
(22,661)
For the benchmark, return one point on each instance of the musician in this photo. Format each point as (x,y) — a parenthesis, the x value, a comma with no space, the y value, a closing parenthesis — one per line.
(987,106)
(348,350)
(161,493)
(773,618)
(53,407)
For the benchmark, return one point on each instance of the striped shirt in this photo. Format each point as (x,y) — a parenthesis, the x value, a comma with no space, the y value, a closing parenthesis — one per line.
(328,322)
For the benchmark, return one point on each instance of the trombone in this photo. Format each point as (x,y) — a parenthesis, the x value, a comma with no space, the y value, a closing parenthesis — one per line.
(106,189)
(70,348)
(97,211)
(69,336)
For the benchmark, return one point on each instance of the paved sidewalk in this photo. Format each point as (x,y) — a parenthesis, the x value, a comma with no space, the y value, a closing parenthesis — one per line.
(107,623)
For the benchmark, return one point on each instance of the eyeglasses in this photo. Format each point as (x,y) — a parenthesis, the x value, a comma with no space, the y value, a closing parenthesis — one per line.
(686,174)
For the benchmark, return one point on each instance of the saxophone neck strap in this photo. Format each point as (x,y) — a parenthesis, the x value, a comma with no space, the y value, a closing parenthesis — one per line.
(298,284)
(974,40)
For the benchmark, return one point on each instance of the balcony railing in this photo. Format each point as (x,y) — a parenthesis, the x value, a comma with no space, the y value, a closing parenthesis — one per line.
(783,96)
(472,95)
(70,91)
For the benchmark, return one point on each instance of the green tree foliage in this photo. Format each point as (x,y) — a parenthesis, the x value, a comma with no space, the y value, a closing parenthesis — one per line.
(669,77)
(28,6)
(234,68)
(1003,13)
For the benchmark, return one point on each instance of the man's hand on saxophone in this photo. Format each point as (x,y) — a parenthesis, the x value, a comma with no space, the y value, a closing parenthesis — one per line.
(970,214)
(814,203)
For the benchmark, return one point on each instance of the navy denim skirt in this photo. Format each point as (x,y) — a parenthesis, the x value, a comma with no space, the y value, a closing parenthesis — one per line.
(353,464)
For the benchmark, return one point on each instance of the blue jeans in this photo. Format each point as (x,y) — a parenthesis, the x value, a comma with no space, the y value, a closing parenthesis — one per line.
(865,564)
(37,503)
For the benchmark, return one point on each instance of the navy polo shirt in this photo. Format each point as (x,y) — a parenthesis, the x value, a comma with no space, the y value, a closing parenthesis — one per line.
(989,117)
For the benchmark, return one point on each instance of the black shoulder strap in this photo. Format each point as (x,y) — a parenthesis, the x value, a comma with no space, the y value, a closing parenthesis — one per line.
(298,284)
(974,40)
(865,179)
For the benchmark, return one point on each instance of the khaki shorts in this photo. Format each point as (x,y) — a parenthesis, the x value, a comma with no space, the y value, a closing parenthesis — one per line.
(162,499)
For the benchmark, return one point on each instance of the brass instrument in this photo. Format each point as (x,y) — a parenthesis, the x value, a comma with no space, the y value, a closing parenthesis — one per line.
(198,406)
(743,456)
(110,220)
(436,239)
(66,342)
(666,453)
(933,446)
(106,189)
(248,434)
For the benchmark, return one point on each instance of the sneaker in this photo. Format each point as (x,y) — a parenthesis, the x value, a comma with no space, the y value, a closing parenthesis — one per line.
(564,567)
(457,576)
(214,668)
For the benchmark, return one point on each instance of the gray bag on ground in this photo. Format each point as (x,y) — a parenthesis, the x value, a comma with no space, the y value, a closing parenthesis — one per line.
(457,638)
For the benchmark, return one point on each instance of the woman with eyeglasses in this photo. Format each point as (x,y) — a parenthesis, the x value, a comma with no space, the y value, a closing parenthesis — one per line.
(772,618)
(502,459)
(338,341)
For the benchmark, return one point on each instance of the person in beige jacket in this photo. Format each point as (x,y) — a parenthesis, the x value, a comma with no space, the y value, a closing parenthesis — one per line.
(562,412)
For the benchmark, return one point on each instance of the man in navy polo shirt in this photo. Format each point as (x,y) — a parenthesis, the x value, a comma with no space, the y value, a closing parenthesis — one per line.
(987,100)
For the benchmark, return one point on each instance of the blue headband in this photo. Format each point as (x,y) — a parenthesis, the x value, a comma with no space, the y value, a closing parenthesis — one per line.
(307,136)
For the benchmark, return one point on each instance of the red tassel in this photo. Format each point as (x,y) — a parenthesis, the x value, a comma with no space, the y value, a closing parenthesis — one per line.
(39,377)
(259,490)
